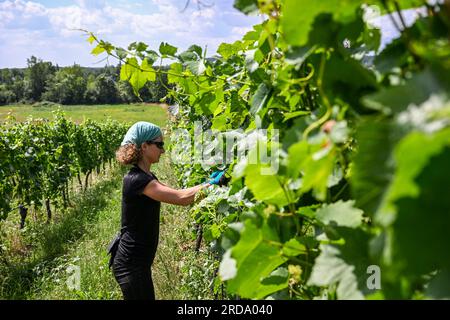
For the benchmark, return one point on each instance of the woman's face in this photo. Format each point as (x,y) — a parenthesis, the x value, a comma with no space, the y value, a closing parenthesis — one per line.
(151,151)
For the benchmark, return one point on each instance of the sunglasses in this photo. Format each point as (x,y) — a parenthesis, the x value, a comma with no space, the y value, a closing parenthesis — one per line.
(159,144)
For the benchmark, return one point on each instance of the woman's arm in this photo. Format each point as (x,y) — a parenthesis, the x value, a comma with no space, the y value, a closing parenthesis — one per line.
(163,193)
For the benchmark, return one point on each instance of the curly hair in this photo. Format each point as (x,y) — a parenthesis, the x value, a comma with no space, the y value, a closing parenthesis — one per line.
(128,154)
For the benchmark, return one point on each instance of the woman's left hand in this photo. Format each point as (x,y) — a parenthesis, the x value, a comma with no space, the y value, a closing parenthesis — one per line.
(216,177)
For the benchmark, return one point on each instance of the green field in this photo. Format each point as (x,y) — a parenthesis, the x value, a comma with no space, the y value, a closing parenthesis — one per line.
(121,112)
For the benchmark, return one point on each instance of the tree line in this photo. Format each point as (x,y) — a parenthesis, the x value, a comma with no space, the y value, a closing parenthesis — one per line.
(43,81)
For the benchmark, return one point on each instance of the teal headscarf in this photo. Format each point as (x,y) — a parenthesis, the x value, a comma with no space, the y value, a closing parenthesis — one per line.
(140,132)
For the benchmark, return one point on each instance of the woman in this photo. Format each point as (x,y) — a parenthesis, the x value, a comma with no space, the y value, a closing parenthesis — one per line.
(142,195)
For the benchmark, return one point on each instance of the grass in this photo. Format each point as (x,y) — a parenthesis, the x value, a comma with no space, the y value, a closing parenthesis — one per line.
(38,256)
(122,112)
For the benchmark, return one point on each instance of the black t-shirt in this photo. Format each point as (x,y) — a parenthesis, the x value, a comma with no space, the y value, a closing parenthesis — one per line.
(140,220)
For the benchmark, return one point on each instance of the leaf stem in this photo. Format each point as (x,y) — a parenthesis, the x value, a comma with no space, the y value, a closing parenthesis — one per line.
(325,100)
(391,17)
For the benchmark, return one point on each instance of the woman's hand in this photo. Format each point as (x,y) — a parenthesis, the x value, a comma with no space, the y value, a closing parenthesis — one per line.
(216,177)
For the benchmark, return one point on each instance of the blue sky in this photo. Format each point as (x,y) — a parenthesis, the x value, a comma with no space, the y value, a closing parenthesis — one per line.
(44,28)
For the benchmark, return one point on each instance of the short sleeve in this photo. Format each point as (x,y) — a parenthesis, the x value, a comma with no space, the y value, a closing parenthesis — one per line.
(134,184)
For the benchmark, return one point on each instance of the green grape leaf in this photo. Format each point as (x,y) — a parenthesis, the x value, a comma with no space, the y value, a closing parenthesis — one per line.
(196,67)
(175,75)
(98,49)
(260,98)
(419,234)
(410,164)
(195,48)
(138,46)
(188,56)
(226,50)
(193,53)
(256,259)
(315,162)
(316,173)
(297,154)
(152,56)
(298,16)
(167,50)
(91,39)
(297,55)
(220,122)
(373,165)
(416,91)
(293,248)
(342,213)
(149,72)
(253,35)
(394,55)
(121,53)
(265,187)
(203,105)
(295,114)
(344,265)
(128,69)
(137,75)
(439,286)
(348,88)
(279,277)
(248,7)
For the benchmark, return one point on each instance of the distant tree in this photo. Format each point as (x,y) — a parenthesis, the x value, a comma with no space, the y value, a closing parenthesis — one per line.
(90,94)
(36,76)
(125,92)
(102,89)
(6,95)
(12,85)
(157,90)
(74,85)
(6,76)
(18,88)
(66,86)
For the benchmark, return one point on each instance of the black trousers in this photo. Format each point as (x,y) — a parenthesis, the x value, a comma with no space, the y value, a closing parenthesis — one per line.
(135,281)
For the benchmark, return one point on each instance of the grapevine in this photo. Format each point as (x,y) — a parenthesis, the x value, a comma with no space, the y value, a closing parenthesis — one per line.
(39,158)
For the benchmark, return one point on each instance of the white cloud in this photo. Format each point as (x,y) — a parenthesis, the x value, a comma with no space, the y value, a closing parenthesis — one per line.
(27,8)
(65,19)
(91,4)
(5,17)
(7,5)
(240,31)
(28,27)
